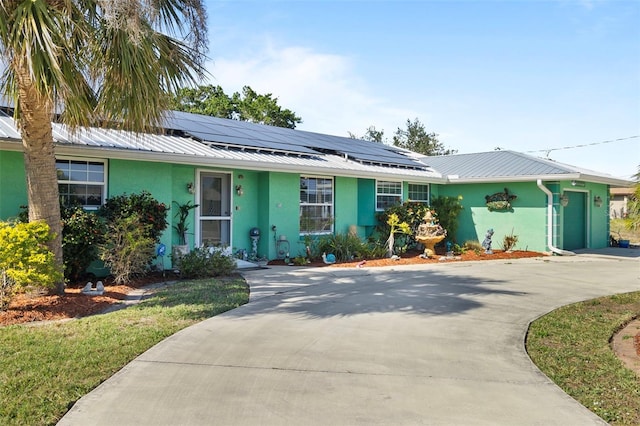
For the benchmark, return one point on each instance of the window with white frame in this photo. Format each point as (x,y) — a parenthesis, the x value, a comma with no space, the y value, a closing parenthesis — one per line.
(388,194)
(316,205)
(419,192)
(81,182)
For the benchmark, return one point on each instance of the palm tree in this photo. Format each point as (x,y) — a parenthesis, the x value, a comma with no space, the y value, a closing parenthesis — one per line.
(101,63)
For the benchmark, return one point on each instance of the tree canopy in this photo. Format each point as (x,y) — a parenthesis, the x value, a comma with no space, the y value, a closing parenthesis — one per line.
(246,106)
(372,134)
(415,138)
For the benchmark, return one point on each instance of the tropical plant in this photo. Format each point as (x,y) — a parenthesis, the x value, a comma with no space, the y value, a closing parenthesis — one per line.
(181,226)
(633,206)
(509,241)
(92,63)
(448,209)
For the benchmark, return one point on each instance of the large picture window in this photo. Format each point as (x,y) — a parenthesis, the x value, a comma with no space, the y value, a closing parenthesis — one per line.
(419,192)
(81,182)
(316,205)
(388,194)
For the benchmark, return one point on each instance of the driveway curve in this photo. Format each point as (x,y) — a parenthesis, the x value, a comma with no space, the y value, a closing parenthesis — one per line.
(408,345)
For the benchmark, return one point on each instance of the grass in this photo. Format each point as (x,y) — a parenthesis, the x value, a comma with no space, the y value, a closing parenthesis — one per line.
(620,230)
(44,369)
(571,346)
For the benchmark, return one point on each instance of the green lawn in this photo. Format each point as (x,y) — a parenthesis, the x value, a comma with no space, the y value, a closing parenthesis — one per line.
(571,346)
(44,369)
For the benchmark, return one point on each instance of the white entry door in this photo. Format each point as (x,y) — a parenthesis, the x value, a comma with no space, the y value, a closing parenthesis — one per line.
(215,209)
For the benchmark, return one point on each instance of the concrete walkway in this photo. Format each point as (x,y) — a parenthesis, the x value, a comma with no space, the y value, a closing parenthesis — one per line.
(435,344)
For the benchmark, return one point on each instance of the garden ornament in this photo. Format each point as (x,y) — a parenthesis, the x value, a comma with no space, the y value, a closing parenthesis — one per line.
(486,244)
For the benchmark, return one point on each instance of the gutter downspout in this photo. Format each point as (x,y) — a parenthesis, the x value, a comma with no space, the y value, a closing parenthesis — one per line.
(553,249)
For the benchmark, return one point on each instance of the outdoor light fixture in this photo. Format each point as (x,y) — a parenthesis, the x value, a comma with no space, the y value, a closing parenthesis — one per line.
(597,201)
(564,200)
(239,190)
(190,188)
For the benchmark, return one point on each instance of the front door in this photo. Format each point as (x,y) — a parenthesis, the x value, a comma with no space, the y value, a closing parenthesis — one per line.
(575,221)
(215,209)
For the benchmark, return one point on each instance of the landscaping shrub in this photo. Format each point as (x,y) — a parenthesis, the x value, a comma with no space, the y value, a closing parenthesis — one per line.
(203,262)
(82,233)
(474,245)
(509,241)
(150,211)
(25,259)
(348,247)
(448,209)
(128,248)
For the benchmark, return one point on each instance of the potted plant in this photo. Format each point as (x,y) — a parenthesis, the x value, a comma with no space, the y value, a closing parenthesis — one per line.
(181,227)
(620,242)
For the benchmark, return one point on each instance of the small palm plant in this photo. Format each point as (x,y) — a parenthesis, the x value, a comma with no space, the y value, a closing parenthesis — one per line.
(181,226)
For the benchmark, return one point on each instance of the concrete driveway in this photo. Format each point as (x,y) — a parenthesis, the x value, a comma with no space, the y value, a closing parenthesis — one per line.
(435,345)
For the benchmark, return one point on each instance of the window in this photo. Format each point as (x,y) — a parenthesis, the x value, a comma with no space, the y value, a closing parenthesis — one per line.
(388,194)
(316,205)
(419,192)
(81,182)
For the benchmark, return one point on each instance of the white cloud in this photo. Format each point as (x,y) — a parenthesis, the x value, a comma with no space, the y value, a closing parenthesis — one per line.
(324,89)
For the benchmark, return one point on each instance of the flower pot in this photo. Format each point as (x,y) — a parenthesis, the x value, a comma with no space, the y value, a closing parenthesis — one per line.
(623,243)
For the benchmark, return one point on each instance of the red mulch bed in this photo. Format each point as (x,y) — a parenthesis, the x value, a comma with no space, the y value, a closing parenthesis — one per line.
(32,307)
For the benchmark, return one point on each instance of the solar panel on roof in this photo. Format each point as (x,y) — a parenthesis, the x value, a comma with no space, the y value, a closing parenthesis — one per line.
(251,135)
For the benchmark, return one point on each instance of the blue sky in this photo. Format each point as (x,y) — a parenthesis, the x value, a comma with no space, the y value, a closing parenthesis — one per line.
(520,75)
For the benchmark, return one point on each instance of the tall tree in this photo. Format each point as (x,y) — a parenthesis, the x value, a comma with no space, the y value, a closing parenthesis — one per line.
(415,138)
(246,106)
(372,134)
(92,62)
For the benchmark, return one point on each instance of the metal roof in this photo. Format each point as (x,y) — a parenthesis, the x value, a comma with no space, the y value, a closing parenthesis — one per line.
(510,166)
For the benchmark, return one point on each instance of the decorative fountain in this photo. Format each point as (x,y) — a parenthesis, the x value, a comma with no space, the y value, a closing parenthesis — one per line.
(429,234)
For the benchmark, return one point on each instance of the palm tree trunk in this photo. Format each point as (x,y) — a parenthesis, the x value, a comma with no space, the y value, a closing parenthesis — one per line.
(40,163)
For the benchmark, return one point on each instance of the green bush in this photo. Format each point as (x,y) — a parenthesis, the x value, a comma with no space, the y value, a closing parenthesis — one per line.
(348,247)
(25,259)
(150,211)
(448,209)
(128,248)
(82,233)
(203,262)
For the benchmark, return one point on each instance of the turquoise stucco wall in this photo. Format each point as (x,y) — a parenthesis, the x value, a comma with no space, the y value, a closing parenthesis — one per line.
(345,211)
(245,210)
(527,219)
(13,184)
(279,201)
(272,198)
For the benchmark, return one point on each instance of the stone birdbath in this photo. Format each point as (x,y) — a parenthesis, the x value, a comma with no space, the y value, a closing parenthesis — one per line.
(429,234)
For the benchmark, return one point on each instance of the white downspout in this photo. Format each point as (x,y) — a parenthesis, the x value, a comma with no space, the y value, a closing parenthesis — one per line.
(553,249)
